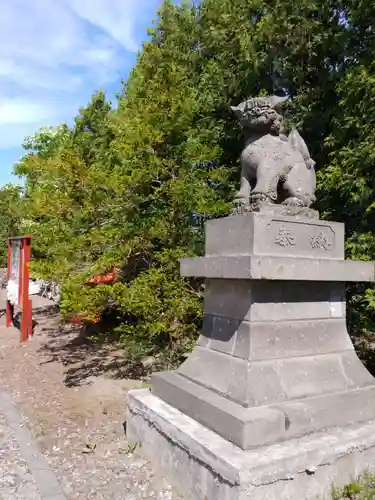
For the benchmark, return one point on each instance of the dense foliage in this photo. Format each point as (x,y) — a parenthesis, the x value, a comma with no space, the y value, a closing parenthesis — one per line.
(10,218)
(127,187)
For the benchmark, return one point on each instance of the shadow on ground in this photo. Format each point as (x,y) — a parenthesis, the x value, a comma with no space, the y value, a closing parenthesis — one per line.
(81,351)
(84,355)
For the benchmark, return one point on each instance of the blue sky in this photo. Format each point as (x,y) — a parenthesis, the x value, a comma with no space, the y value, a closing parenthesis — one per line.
(54,54)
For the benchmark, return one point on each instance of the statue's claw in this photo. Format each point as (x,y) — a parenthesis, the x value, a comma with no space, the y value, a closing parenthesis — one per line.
(260,197)
(241,200)
(241,208)
(292,201)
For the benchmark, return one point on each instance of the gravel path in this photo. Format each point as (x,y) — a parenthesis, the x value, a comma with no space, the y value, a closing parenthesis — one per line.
(16,481)
(24,472)
(75,411)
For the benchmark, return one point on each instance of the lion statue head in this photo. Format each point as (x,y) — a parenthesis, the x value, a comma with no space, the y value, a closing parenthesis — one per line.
(261,114)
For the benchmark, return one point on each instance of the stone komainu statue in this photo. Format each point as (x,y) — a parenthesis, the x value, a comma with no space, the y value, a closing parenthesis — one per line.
(275,168)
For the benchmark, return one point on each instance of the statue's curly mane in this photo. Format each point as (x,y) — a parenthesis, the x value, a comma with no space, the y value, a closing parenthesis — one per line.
(260,114)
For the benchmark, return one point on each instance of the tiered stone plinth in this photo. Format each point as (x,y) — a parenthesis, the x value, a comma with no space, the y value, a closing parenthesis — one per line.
(274,362)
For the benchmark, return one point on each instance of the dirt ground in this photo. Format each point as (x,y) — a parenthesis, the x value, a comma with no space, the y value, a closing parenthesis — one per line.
(77,411)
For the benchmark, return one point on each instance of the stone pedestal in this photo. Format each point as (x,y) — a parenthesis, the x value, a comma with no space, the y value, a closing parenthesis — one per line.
(274,363)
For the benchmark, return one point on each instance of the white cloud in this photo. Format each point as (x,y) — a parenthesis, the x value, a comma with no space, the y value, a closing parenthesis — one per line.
(55,53)
(118,18)
(13,111)
(46,38)
(115,18)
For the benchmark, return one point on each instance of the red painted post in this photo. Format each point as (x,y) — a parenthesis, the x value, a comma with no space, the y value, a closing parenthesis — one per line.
(27,312)
(20,272)
(9,306)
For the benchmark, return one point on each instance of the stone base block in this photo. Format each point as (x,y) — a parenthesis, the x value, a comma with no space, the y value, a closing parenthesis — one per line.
(259,425)
(204,466)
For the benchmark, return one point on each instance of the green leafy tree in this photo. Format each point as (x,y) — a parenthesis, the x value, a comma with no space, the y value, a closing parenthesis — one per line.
(128,188)
(10,218)
(347,181)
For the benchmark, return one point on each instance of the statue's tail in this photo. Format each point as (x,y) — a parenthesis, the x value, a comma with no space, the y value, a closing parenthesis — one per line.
(296,141)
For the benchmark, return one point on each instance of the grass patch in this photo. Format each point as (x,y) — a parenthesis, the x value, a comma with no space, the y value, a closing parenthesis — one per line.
(363,489)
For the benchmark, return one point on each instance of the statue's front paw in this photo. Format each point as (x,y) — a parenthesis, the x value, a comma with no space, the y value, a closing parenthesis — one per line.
(292,201)
(260,197)
(240,200)
(241,206)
